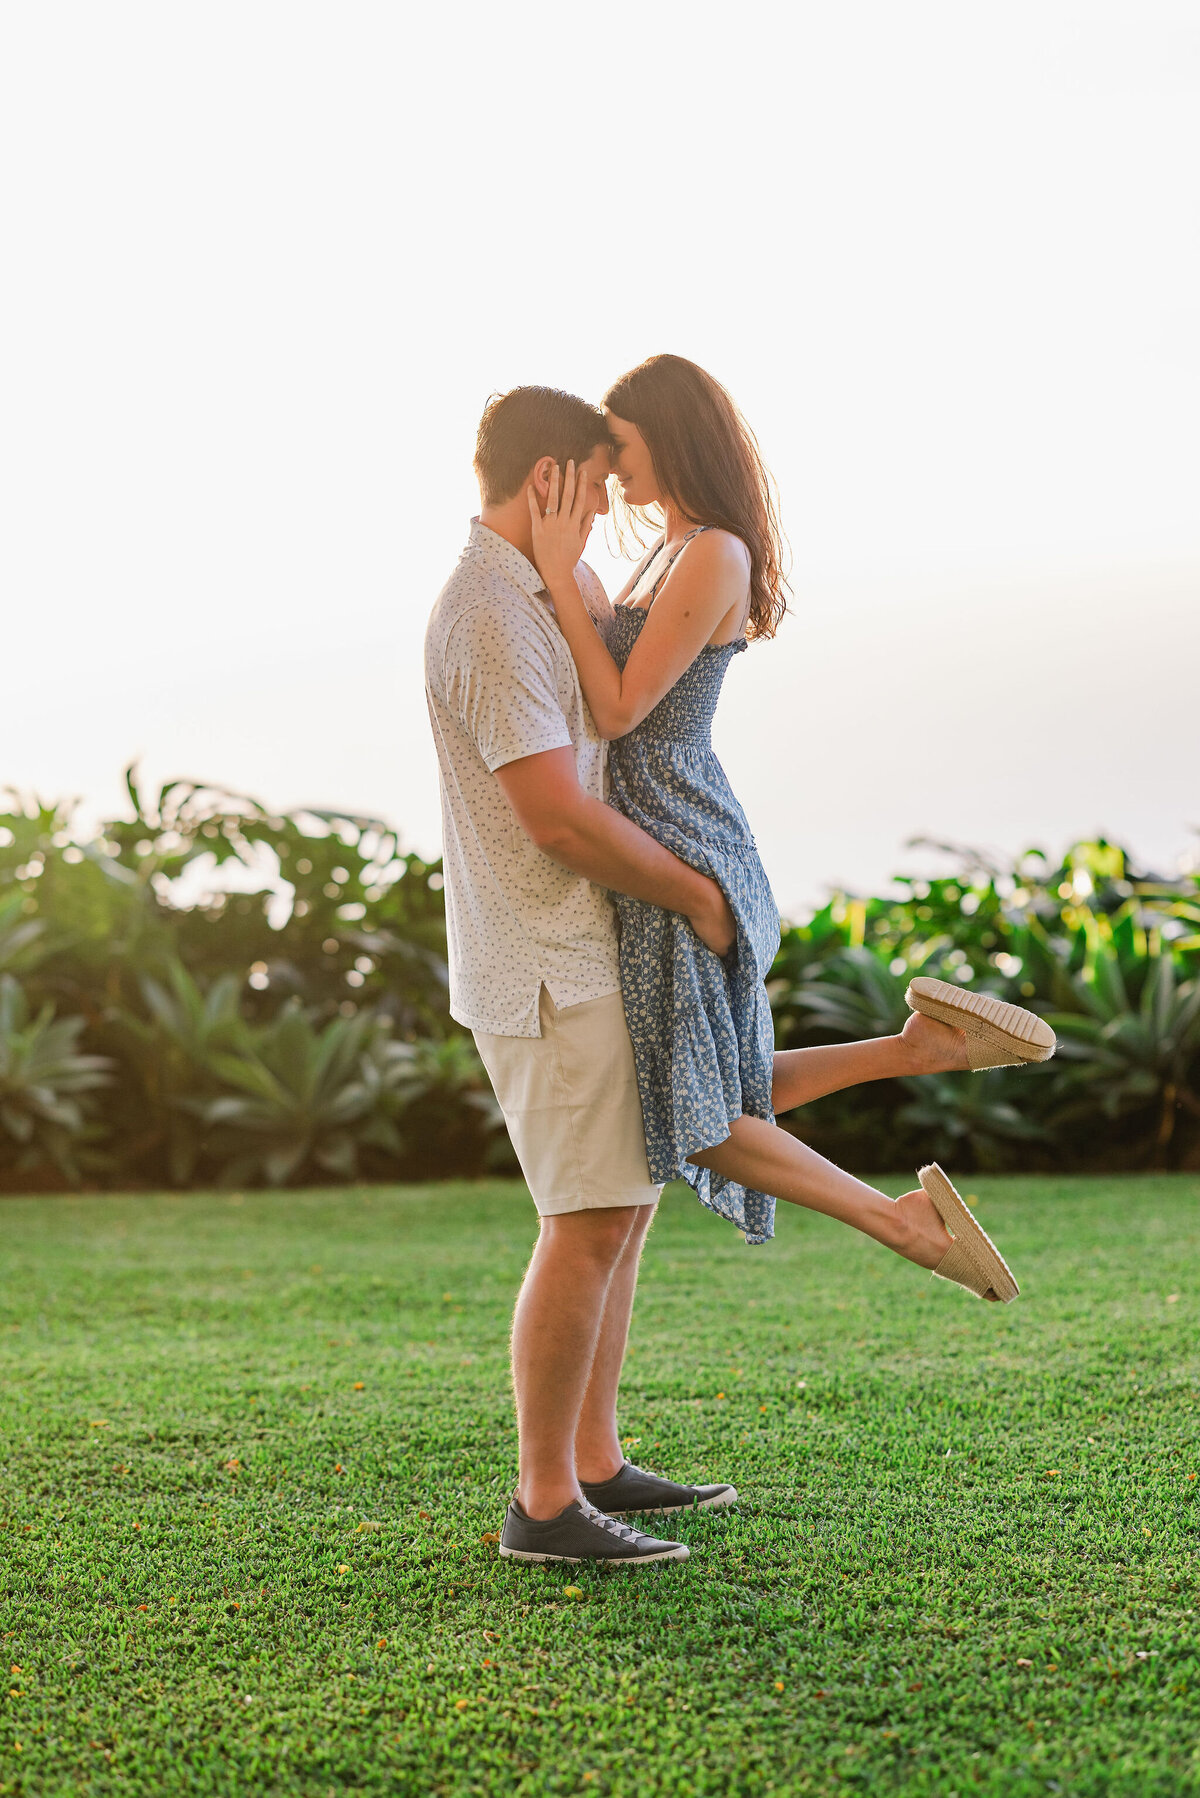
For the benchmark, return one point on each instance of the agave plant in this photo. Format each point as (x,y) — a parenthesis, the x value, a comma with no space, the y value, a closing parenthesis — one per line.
(308,1100)
(297,1100)
(170,1050)
(1134,1057)
(43,1080)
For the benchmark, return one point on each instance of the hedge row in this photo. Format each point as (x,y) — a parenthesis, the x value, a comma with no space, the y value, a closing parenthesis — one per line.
(157,1031)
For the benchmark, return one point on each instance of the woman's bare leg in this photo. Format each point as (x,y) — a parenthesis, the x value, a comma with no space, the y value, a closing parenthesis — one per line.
(923,1047)
(767,1159)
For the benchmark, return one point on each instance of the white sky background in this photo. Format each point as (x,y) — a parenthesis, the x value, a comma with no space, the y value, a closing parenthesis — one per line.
(266,263)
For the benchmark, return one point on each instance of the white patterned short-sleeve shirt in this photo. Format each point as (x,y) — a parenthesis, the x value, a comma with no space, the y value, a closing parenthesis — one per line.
(501,684)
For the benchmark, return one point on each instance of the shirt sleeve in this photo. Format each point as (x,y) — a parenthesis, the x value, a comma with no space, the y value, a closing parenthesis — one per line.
(594,597)
(500,682)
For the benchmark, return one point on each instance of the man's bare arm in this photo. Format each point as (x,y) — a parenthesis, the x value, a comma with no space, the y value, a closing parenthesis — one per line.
(592,839)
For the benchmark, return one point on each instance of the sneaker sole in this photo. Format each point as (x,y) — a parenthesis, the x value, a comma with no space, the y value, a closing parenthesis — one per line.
(716,1503)
(997,1023)
(678,1553)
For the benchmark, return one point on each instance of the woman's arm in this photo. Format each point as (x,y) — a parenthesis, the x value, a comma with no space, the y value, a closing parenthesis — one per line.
(699,592)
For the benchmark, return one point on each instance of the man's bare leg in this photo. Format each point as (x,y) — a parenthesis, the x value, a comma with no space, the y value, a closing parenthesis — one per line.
(556,1329)
(923,1047)
(597,1445)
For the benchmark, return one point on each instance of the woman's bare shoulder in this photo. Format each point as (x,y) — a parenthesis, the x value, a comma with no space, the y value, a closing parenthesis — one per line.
(717,548)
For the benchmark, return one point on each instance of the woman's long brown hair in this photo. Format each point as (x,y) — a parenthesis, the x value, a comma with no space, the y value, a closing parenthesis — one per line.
(707,462)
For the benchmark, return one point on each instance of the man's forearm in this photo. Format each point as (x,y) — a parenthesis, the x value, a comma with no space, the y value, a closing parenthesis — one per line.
(600,844)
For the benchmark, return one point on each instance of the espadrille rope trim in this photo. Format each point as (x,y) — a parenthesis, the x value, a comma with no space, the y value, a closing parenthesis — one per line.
(972,1250)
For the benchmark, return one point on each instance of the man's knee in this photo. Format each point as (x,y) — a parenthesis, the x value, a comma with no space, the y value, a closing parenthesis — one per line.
(599,1235)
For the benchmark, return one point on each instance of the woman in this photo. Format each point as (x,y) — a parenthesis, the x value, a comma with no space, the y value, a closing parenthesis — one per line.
(709,1077)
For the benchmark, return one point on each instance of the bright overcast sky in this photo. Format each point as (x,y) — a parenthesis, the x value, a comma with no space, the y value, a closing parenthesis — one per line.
(266,263)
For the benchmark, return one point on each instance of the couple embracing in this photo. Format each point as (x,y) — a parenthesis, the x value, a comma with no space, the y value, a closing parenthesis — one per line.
(611,927)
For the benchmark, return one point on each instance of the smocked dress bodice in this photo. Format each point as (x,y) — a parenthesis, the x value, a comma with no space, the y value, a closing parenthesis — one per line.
(667,762)
(684,714)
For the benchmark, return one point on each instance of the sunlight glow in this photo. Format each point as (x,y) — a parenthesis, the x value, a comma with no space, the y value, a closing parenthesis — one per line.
(270,262)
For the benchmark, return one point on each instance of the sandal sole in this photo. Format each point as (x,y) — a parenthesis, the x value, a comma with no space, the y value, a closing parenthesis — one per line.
(971,1237)
(992,1021)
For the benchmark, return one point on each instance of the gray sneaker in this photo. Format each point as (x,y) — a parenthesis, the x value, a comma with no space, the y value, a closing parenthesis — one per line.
(632,1489)
(580,1533)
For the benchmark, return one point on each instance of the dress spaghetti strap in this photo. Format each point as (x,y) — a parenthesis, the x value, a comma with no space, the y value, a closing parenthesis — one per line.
(670,564)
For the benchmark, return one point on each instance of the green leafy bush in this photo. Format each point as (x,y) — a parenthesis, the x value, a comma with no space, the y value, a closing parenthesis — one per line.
(1109,956)
(43,1080)
(156,1029)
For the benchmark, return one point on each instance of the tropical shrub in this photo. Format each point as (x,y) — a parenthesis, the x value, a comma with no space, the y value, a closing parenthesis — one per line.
(1131,1048)
(42,1083)
(205,991)
(1109,956)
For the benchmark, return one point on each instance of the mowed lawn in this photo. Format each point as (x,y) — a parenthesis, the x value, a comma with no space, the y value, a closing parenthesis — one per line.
(255,1447)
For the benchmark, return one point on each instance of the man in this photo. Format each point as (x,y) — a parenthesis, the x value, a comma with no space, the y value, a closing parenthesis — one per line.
(530,846)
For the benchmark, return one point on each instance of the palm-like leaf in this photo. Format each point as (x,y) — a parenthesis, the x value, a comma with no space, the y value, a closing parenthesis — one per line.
(316,1097)
(967,1121)
(853,995)
(1125,1058)
(42,1076)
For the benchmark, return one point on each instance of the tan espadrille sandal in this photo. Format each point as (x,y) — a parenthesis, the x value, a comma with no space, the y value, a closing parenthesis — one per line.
(998,1035)
(972,1260)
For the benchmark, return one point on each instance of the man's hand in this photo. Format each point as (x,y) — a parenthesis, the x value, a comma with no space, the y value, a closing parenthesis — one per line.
(715,924)
(589,837)
(561,532)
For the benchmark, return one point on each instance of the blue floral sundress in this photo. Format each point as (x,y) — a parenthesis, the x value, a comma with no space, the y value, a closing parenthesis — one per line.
(701,1025)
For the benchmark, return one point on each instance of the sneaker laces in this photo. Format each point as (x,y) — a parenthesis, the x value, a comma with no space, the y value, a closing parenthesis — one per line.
(613,1525)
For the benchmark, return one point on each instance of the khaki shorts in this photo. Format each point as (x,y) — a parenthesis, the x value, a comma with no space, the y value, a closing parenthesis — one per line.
(570,1101)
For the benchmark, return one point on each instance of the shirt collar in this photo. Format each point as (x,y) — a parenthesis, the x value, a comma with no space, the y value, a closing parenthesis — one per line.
(500,554)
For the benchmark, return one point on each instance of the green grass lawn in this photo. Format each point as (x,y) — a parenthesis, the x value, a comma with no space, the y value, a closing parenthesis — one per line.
(254,1447)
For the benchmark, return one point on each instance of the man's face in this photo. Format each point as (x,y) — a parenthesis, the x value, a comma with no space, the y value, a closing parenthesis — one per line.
(598,467)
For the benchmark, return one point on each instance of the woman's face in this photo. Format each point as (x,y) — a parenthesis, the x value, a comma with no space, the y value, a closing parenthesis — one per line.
(632,462)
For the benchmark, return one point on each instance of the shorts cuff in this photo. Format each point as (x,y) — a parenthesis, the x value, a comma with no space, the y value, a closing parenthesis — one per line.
(634,1195)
